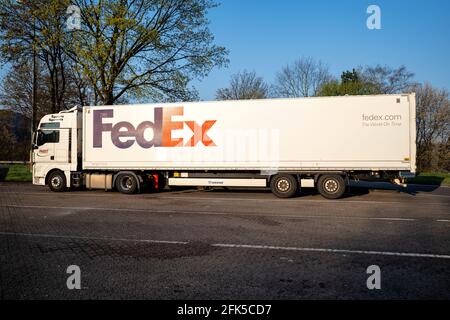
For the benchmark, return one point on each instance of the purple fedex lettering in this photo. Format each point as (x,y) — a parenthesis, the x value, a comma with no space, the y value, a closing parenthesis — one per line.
(117,133)
(99,126)
(125,129)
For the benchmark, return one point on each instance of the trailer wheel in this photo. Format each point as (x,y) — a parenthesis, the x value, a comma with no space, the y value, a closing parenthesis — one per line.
(284,185)
(331,186)
(126,183)
(57,181)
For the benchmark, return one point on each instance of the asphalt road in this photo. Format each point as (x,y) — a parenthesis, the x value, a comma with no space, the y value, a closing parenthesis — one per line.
(219,244)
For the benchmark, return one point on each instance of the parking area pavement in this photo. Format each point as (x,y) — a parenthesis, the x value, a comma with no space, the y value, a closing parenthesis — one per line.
(224,244)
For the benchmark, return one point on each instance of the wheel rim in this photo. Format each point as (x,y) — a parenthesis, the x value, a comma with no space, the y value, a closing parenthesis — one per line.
(283,185)
(56,182)
(331,185)
(126,183)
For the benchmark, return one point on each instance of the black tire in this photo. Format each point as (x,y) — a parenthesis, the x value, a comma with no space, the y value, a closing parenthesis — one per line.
(284,185)
(126,183)
(331,186)
(57,181)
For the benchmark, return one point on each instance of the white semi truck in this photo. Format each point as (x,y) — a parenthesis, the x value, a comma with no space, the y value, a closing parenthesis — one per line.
(284,144)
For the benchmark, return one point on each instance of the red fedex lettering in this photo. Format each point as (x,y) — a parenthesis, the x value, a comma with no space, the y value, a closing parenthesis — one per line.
(199,133)
(169,125)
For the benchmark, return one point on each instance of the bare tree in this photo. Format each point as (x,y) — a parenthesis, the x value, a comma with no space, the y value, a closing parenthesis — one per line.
(16,92)
(433,126)
(14,136)
(388,79)
(7,138)
(29,27)
(244,85)
(303,78)
(79,90)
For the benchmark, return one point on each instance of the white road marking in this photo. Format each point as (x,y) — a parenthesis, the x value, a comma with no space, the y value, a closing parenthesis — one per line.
(384,253)
(40,235)
(240,246)
(443,220)
(213,213)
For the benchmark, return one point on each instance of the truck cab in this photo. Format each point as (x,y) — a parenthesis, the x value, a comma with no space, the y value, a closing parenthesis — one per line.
(57,149)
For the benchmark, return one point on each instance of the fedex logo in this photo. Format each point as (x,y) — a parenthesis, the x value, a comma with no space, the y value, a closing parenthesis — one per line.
(124,134)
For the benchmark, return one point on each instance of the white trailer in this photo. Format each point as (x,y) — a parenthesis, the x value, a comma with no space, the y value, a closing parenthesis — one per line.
(284,144)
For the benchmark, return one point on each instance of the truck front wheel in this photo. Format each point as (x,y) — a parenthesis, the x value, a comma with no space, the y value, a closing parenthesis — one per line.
(331,186)
(126,183)
(284,185)
(57,181)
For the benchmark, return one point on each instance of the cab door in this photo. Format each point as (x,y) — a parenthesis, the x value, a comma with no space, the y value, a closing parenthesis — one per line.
(62,149)
(46,141)
(53,145)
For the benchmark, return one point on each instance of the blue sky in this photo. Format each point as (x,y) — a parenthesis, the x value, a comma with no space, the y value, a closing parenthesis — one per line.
(264,35)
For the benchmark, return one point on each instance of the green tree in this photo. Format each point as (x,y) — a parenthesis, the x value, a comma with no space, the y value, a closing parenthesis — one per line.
(350,84)
(350,76)
(370,80)
(144,48)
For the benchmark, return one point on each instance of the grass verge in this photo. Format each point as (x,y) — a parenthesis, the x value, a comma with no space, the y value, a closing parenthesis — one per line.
(431,178)
(19,173)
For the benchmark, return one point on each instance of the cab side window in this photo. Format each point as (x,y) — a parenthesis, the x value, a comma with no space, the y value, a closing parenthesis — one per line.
(47,136)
